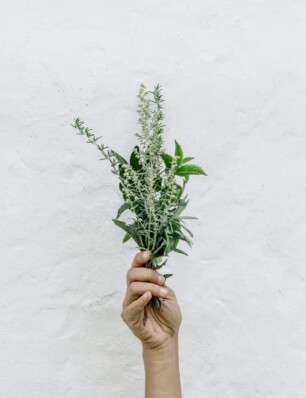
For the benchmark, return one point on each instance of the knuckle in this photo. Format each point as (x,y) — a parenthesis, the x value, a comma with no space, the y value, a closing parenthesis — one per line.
(160,279)
(156,290)
(153,275)
(149,274)
(129,275)
(123,314)
(133,287)
(137,258)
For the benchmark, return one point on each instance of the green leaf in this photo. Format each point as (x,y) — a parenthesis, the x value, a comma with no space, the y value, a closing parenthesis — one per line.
(134,162)
(170,244)
(187,240)
(181,206)
(126,238)
(178,152)
(176,239)
(187,159)
(179,190)
(121,189)
(189,218)
(128,228)
(120,159)
(122,208)
(186,229)
(175,224)
(158,184)
(167,159)
(161,265)
(189,169)
(167,275)
(180,251)
(121,171)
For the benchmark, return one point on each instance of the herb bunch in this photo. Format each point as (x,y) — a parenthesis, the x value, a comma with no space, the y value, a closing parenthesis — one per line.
(152,183)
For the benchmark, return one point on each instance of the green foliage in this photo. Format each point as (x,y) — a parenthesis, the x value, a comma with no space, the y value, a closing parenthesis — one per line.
(189,169)
(178,152)
(168,159)
(149,183)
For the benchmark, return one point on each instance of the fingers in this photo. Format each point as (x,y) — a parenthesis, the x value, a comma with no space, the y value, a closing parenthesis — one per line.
(143,274)
(142,284)
(136,289)
(131,312)
(141,258)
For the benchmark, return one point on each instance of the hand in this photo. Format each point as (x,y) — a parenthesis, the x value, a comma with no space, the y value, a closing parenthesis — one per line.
(161,325)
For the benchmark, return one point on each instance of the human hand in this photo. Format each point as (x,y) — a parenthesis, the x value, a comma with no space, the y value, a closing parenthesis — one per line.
(161,326)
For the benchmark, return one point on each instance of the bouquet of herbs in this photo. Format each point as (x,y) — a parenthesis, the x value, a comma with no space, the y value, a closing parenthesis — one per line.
(152,184)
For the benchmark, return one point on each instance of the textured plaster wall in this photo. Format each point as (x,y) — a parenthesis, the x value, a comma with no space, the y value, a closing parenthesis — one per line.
(234,80)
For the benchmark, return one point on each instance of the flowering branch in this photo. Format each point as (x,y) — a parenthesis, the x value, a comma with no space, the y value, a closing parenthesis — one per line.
(150,184)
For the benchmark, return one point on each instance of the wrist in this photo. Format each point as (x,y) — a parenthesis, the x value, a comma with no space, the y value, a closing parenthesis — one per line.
(166,352)
(161,365)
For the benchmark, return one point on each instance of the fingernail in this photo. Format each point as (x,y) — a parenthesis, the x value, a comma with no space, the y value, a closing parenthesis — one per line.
(146,254)
(146,295)
(163,292)
(161,279)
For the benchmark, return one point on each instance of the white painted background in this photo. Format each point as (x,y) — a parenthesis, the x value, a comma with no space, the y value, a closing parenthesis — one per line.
(234,81)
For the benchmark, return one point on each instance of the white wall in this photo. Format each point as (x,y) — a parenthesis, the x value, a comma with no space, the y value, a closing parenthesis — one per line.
(234,81)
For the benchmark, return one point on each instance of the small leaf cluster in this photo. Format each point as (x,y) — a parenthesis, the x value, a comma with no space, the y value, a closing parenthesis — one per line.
(152,183)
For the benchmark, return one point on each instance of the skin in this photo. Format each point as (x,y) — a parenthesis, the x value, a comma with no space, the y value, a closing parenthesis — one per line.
(159,337)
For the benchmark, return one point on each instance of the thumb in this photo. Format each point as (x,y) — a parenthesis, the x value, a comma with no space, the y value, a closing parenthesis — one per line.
(131,312)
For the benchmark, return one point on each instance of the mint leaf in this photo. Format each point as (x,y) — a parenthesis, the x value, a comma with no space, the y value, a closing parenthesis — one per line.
(189,169)
(187,159)
(178,152)
(167,159)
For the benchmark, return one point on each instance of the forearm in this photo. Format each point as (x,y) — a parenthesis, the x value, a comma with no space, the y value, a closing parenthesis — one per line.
(162,371)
